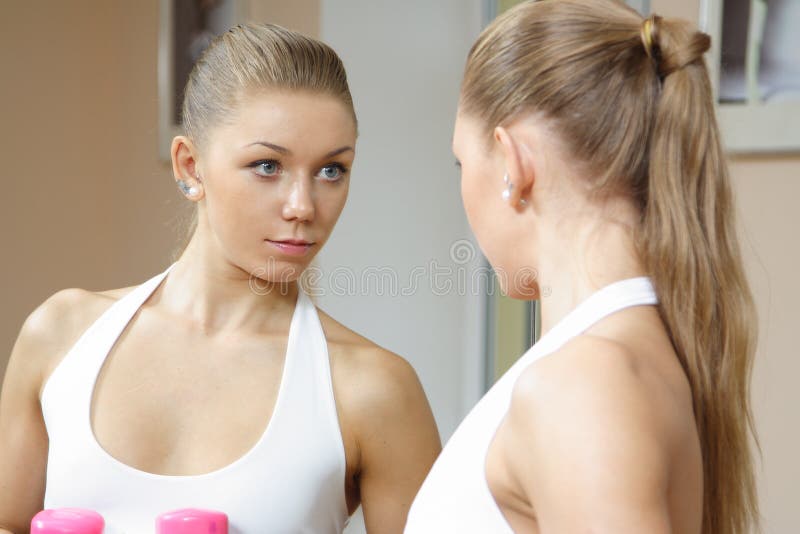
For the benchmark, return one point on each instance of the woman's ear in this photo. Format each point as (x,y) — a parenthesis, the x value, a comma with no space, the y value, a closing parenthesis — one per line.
(185,168)
(519,168)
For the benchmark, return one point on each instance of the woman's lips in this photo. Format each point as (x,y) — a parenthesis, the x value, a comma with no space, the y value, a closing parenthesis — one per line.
(291,247)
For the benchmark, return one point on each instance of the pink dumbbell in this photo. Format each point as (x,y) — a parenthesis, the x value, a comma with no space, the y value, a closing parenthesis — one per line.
(67,521)
(192,521)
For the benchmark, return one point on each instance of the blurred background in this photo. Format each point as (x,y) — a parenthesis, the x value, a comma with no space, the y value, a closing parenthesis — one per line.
(87,104)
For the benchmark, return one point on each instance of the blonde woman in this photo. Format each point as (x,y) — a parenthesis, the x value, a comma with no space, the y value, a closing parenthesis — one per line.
(217,383)
(590,154)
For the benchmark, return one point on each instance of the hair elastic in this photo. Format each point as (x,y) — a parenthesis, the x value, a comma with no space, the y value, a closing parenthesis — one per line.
(647,35)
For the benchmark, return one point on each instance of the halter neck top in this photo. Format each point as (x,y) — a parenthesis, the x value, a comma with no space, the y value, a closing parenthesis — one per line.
(291,480)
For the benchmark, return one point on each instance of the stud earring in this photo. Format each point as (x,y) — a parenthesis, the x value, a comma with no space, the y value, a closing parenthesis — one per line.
(187,189)
(509,187)
(507,192)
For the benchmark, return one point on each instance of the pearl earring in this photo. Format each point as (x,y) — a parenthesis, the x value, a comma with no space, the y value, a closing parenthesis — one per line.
(509,187)
(187,190)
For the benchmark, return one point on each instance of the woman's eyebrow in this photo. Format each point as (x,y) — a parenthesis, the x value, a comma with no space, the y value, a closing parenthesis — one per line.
(286,151)
(338,151)
(276,148)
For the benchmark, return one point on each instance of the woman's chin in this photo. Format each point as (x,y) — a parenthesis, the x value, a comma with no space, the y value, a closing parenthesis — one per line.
(274,270)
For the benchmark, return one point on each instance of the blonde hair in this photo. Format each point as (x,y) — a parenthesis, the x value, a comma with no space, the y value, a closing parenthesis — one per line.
(633,103)
(251,57)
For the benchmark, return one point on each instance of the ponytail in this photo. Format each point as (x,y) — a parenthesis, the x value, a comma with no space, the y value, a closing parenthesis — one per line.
(689,247)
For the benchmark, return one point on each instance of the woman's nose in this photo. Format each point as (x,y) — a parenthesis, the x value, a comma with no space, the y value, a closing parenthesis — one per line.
(299,204)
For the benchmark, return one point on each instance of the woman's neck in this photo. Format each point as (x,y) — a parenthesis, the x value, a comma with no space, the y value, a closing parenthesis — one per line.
(579,258)
(216,296)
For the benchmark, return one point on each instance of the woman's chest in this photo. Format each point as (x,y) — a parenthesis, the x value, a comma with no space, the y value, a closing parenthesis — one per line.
(174,405)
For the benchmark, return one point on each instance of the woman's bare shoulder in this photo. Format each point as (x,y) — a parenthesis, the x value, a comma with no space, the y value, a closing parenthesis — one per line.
(589,374)
(380,397)
(55,325)
(591,404)
(593,375)
(381,375)
(355,352)
(69,311)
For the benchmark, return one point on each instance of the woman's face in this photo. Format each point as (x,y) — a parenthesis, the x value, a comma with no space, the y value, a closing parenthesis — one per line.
(275,179)
(494,222)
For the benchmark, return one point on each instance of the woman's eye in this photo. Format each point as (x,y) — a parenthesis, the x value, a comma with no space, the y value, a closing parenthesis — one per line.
(332,172)
(266,168)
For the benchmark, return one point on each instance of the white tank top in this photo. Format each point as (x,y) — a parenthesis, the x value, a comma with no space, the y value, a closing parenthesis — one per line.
(291,481)
(455,496)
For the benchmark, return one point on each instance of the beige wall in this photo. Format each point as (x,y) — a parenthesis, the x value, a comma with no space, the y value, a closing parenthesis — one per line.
(767,189)
(299,15)
(87,203)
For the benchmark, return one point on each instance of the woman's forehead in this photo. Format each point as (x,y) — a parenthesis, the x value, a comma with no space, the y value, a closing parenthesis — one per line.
(289,118)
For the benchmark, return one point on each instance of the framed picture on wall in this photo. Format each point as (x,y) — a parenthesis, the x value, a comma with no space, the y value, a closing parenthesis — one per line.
(755,68)
(186,27)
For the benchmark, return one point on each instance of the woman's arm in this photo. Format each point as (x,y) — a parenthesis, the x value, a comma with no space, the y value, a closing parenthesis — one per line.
(587,443)
(397,439)
(23,437)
